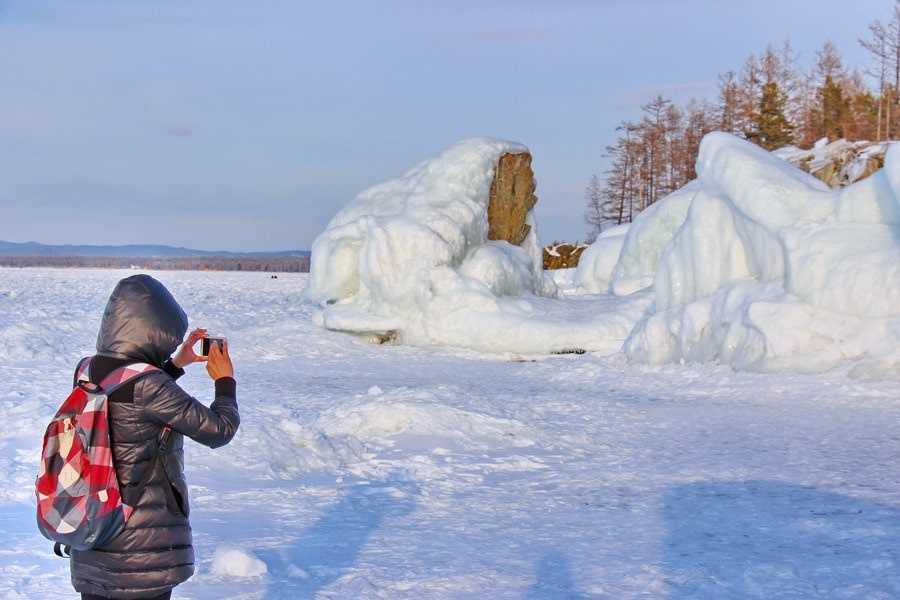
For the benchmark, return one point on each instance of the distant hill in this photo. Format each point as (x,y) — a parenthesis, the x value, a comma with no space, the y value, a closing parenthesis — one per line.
(132,251)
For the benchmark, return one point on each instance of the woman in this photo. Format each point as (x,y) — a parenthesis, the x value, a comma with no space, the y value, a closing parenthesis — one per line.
(143,323)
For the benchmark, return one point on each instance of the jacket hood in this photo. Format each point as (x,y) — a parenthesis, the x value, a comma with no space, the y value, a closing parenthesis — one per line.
(142,322)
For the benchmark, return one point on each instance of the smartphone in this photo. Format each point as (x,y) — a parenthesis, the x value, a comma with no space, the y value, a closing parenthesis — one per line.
(206,344)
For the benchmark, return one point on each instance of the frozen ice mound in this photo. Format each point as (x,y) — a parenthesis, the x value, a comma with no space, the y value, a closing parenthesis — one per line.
(395,422)
(595,267)
(762,266)
(756,264)
(231,561)
(380,250)
(354,436)
(410,259)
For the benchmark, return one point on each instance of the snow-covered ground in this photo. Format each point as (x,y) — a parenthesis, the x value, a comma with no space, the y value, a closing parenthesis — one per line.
(364,471)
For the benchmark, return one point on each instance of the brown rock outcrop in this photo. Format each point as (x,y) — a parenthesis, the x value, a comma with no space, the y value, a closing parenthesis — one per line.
(563,255)
(512,196)
(838,163)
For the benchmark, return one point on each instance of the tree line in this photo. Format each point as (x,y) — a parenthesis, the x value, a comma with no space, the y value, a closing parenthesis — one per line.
(771,101)
(299,264)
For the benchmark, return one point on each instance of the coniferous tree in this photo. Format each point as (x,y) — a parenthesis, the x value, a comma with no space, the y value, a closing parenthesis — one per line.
(863,117)
(833,109)
(772,130)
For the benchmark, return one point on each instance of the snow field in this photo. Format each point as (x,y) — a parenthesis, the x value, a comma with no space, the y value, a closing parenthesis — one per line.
(398,472)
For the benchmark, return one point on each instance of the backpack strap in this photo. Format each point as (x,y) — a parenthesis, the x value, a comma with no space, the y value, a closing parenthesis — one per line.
(125,374)
(83,370)
(116,379)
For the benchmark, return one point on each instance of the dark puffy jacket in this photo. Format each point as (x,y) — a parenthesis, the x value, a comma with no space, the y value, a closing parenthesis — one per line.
(143,323)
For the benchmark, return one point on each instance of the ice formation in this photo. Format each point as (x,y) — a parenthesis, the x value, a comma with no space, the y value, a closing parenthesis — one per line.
(386,260)
(410,258)
(764,267)
(756,264)
(597,262)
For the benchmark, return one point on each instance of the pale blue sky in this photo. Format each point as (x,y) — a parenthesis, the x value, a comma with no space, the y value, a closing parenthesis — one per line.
(241,125)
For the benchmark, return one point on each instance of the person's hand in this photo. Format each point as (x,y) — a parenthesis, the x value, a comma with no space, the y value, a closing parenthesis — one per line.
(186,354)
(219,363)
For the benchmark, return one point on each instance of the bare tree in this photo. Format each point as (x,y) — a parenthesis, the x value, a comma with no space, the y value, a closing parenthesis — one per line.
(729,102)
(829,64)
(878,44)
(594,215)
(749,91)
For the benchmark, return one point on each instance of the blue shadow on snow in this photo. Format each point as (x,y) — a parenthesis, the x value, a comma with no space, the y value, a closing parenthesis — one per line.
(770,539)
(330,547)
(554,580)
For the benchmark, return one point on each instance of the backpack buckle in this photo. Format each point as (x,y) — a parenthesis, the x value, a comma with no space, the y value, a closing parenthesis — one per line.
(90,387)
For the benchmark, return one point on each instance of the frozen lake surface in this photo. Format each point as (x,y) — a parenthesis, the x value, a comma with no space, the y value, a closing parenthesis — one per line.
(366,471)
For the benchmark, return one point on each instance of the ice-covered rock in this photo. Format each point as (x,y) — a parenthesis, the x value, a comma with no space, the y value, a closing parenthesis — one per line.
(563,255)
(761,266)
(378,250)
(756,264)
(837,163)
(511,198)
(414,259)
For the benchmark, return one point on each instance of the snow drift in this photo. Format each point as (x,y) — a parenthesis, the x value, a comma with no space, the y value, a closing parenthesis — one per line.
(597,262)
(762,266)
(235,562)
(411,259)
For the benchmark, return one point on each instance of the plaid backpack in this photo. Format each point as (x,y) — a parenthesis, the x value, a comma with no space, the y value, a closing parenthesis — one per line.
(79,504)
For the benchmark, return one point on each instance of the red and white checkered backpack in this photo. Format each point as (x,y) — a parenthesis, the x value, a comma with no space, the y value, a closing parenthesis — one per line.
(79,504)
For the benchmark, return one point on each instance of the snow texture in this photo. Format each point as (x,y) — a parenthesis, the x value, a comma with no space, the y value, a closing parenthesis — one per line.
(408,473)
